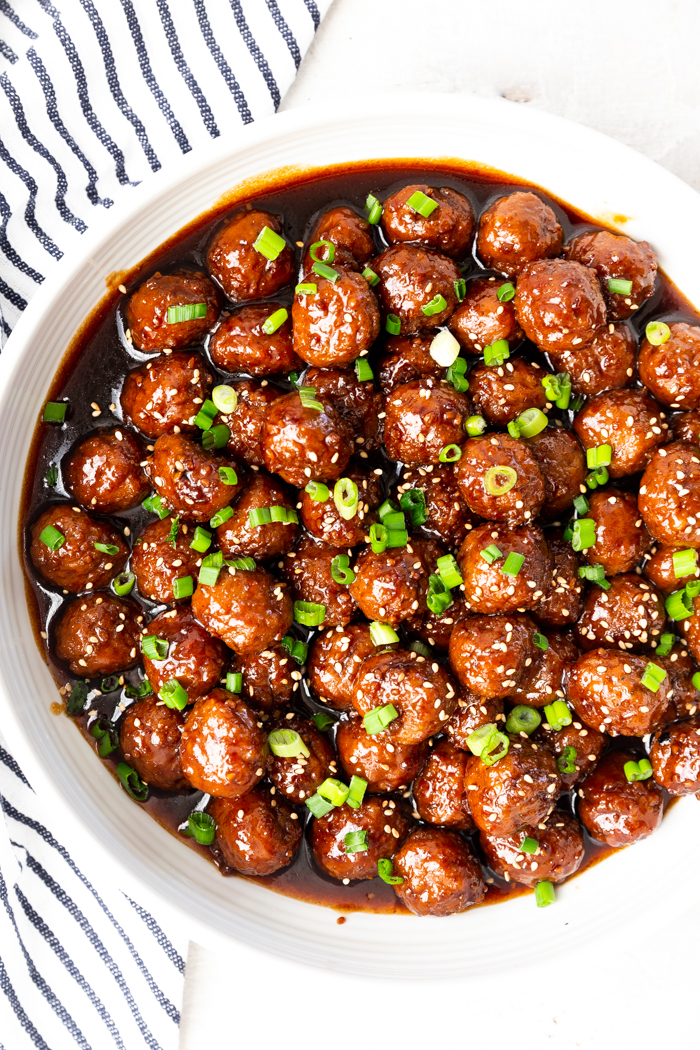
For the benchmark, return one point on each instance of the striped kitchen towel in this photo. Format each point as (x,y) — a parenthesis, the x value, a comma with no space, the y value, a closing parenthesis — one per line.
(94,96)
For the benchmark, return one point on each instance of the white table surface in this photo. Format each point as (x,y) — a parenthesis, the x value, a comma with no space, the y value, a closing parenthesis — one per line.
(629,70)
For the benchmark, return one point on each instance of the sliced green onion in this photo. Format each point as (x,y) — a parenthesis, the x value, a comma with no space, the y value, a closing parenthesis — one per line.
(599,476)
(540,641)
(322,720)
(653,676)
(497,353)
(377,720)
(225,398)
(154,504)
(346,498)
(396,538)
(174,529)
(393,324)
(666,643)
(319,806)
(475,426)
(456,375)
(657,333)
(201,827)
(450,454)
(132,782)
(692,588)
(460,289)
(221,517)
(531,422)
(566,761)
(355,842)
(506,292)
(417,646)
(288,515)
(499,480)
(105,732)
(201,540)
(153,647)
(373,209)
(529,845)
(269,243)
(123,583)
(326,271)
(444,348)
(523,719)
(378,535)
(488,744)
(138,692)
(341,571)
(307,396)
(307,288)
(413,502)
(421,203)
(583,534)
(286,743)
(310,614)
(51,476)
(363,370)
(53,539)
(582,505)
(558,389)
(513,564)
(329,254)
(228,475)
(449,570)
(370,276)
(334,791)
(259,516)
(544,894)
(384,870)
(388,507)
(55,411)
(173,695)
(275,321)
(436,305)
(205,416)
(558,715)
(246,564)
(318,491)
(185,312)
(210,567)
(641,770)
(216,437)
(77,699)
(439,598)
(685,563)
(356,793)
(183,587)
(594,573)
(491,553)
(296,649)
(577,403)
(619,287)
(599,456)
(382,633)
(234,681)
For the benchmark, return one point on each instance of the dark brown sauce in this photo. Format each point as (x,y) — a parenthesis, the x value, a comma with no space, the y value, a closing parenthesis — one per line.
(93,369)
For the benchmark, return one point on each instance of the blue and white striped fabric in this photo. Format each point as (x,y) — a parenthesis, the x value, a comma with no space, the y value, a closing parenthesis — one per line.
(94,96)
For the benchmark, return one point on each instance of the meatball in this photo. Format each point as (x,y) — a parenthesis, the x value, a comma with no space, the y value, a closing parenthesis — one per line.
(559,304)
(660,571)
(621,537)
(543,680)
(607,364)
(241,344)
(77,565)
(628,616)
(681,668)
(487,586)
(422,418)
(384,764)
(563,594)
(672,371)
(194,658)
(248,610)
(518,790)
(607,693)
(335,657)
(242,270)
(627,420)
(499,479)
(685,426)
(255,834)
(501,394)
(562,464)
(104,472)
(669,495)
(386,824)
(308,570)
(188,479)
(448,229)
(440,875)
(472,712)
(148,317)
(300,443)
(406,357)
(392,585)
(98,635)
(165,395)
(516,230)
(336,323)
(149,736)
(675,757)
(223,751)
(482,319)
(614,810)
(586,746)
(239,537)
(358,403)
(422,692)
(439,792)
(412,279)
(157,561)
(490,654)
(612,255)
(348,232)
(448,517)
(245,423)
(297,778)
(560,851)
(323,520)
(270,678)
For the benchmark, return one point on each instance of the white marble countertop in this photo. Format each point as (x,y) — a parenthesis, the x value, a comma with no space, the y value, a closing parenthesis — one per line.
(631,71)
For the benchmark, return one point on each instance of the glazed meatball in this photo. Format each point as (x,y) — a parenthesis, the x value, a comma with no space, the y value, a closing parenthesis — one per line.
(149,736)
(448,517)
(240,268)
(422,692)
(563,595)
(560,851)
(104,473)
(187,478)
(487,588)
(358,403)
(335,657)
(270,678)
(392,585)
(612,255)
(621,537)
(301,443)
(98,635)
(672,371)
(411,279)
(194,658)
(406,357)
(660,570)
(77,565)
(607,693)
(440,875)
(422,418)
(308,570)
(607,364)
(386,824)
(323,520)
(239,537)
(675,757)
(439,792)
(157,561)
(681,668)
(245,423)
(501,394)
(256,834)
(628,616)
(336,323)
(588,745)
(615,811)
(473,712)
(248,610)
(518,790)
(241,344)
(223,751)
(499,479)
(147,310)
(348,232)
(562,463)
(685,426)
(448,229)
(516,230)
(629,421)
(482,319)
(543,681)
(669,495)
(297,778)
(165,395)
(491,654)
(384,764)
(559,304)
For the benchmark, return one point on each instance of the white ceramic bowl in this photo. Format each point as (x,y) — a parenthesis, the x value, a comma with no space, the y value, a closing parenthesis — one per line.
(595,174)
